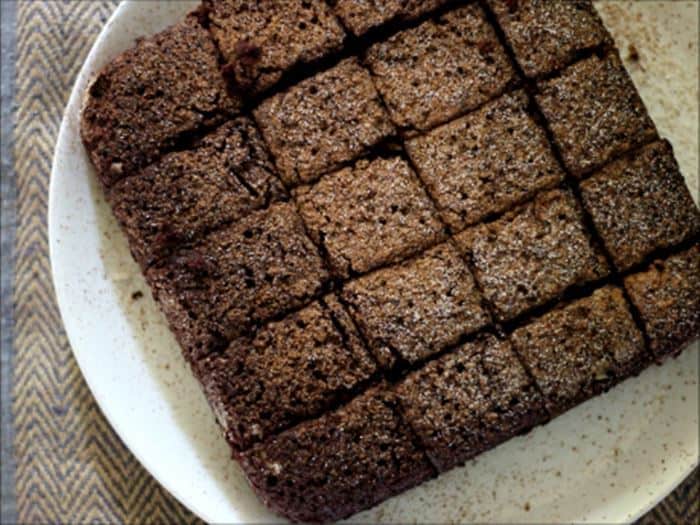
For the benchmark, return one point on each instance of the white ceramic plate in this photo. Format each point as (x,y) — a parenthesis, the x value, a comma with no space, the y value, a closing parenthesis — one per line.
(608,460)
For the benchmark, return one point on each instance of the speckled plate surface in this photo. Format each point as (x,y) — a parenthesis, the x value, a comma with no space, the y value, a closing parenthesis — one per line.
(609,460)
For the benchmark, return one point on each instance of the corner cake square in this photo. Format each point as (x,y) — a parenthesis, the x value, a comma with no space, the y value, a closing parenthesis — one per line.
(253,270)
(372,214)
(345,461)
(290,371)
(640,204)
(150,97)
(417,308)
(547,35)
(432,73)
(594,113)
(323,122)
(260,41)
(176,200)
(486,162)
(667,296)
(533,254)
(582,349)
(469,401)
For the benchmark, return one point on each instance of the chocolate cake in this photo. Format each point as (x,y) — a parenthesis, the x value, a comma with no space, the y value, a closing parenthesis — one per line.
(323,122)
(248,272)
(667,297)
(151,97)
(185,194)
(594,113)
(389,235)
(547,35)
(581,349)
(417,308)
(486,162)
(369,215)
(640,204)
(533,254)
(434,72)
(291,370)
(470,400)
(359,16)
(260,41)
(345,461)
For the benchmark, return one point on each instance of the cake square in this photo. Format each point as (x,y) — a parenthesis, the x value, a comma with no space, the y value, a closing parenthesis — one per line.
(257,268)
(432,73)
(260,41)
(486,162)
(546,35)
(580,350)
(469,401)
(594,113)
(343,462)
(150,97)
(371,214)
(419,307)
(290,371)
(323,122)
(640,204)
(359,16)
(176,200)
(532,254)
(667,297)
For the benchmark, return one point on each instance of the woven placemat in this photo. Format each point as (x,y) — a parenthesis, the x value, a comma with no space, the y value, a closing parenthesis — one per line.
(71,467)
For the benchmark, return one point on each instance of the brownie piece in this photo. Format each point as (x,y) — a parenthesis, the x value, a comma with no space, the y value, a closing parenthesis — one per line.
(148,98)
(429,74)
(640,204)
(290,371)
(368,215)
(469,401)
(486,162)
(346,461)
(546,35)
(185,194)
(359,16)
(580,350)
(323,122)
(248,272)
(417,308)
(594,113)
(262,40)
(533,254)
(667,297)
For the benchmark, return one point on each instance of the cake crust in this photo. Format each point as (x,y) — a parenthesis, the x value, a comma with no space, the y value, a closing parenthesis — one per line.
(261,41)
(150,97)
(178,199)
(533,254)
(432,73)
(582,349)
(640,204)
(667,296)
(594,113)
(486,162)
(323,122)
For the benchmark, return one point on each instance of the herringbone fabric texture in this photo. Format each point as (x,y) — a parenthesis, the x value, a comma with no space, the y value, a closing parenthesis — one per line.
(71,467)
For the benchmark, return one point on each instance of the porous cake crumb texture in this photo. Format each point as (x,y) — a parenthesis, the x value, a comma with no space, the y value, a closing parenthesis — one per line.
(440,69)
(667,296)
(389,235)
(533,254)
(262,40)
(580,350)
